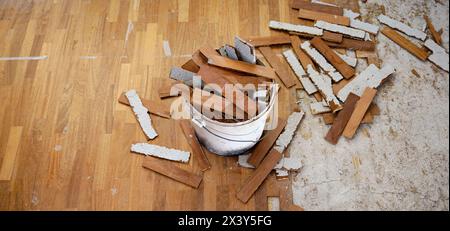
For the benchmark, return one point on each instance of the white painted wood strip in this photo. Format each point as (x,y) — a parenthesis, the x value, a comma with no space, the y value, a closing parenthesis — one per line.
(141,113)
(295,28)
(245,50)
(285,137)
(291,58)
(352,32)
(181,74)
(323,83)
(402,27)
(321,61)
(161,152)
(347,59)
(439,55)
(372,77)
(357,24)
(350,14)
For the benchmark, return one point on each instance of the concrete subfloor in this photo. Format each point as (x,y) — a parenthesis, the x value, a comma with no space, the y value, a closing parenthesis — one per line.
(401,160)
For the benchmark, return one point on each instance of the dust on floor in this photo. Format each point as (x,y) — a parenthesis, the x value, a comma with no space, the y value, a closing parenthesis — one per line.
(401,160)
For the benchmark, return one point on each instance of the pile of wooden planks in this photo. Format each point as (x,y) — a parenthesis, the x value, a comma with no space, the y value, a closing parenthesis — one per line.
(326,46)
(208,74)
(319,56)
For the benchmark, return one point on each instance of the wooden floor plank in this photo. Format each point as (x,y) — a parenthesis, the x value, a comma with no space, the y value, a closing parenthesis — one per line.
(9,157)
(403,42)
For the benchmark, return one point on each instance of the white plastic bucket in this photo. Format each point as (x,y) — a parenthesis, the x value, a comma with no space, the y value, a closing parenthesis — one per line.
(231,138)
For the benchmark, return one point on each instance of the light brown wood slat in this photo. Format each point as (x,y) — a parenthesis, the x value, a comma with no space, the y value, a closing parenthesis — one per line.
(436,36)
(236,65)
(320,16)
(341,119)
(281,70)
(10,156)
(172,171)
(332,37)
(199,59)
(191,66)
(226,107)
(346,70)
(164,91)
(269,40)
(368,118)
(199,155)
(403,42)
(371,56)
(153,107)
(209,75)
(262,148)
(258,176)
(305,60)
(328,118)
(215,76)
(353,44)
(302,4)
(360,110)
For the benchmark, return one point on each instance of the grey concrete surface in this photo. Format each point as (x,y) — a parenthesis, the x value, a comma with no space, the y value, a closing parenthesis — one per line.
(401,160)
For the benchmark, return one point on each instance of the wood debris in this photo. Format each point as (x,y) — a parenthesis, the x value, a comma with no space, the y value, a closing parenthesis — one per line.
(291,126)
(357,24)
(262,148)
(436,36)
(141,113)
(245,50)
(287,164)
(172,171)
(269,40)
(316,52)
(335,60)
(340,29)
(412,48)
(319,108)
(439,55)
(321,61)
(298,70)
(358,113)
(258,176)
(341,120)
(323,84)
(280,69)
(347,59)
(370,77)
(302,4)
(153,107)
(197,149)
(295,28)
(350,14)
(217,60)
(402,27)
(316,16)
(161,152)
